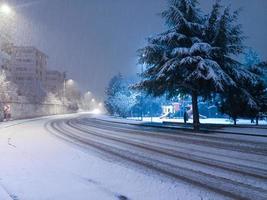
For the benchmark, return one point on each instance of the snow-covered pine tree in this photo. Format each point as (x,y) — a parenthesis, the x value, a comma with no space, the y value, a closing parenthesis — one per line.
(258,90)
(186,59)
(114,86)
(235,103)
(119,97)
(262,66)
(251,58)
(239,99)
(123,101)
(263,101)
(8,90)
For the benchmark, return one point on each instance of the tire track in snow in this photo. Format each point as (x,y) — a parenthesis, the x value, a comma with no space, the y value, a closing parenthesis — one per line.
(229,188)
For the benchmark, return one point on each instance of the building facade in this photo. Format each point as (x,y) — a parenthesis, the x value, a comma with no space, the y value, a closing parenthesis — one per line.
(54,82)
(171,108)
(27,69)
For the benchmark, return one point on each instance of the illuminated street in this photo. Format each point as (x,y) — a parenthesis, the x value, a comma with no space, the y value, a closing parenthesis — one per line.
(84,153)
(133,100)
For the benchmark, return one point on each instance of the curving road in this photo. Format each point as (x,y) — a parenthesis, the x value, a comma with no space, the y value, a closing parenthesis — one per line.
(230,165)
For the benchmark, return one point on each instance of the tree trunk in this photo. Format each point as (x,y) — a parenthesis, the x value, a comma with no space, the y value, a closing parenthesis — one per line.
(257,120)
(195,111)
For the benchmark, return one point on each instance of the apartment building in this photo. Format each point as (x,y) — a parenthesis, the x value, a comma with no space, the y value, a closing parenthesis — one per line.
(27,68)
(54,82)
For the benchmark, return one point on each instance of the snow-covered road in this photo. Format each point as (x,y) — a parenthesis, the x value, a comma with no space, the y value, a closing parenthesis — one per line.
(77,157)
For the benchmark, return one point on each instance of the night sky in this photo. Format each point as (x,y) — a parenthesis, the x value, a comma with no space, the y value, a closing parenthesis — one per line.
(95,39)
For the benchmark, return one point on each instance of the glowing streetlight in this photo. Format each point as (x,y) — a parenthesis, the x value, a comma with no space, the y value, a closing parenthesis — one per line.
(88,95)
(70,82)
(93,100)
(5,9)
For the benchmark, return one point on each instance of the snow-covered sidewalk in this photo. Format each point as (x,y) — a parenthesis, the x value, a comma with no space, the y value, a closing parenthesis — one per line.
(218,121)
(37,165)
(223,124)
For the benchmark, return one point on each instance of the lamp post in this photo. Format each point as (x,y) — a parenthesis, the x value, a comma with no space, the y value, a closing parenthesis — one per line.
(66,82)
(64,87)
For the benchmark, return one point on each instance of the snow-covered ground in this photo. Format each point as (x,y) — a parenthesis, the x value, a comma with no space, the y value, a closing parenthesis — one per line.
(35,165)
(203,121)
(156,121)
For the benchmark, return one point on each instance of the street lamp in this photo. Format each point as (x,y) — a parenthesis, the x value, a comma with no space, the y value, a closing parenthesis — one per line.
(69,82)
(7,22)
(88,93)
(5,9)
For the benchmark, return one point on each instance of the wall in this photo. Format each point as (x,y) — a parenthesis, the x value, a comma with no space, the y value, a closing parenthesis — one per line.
(30,110)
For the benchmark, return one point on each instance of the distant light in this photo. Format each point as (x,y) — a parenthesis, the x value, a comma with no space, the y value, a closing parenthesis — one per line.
(6,9)
(93,100)
(100,104)
(70,82)
(96,111)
